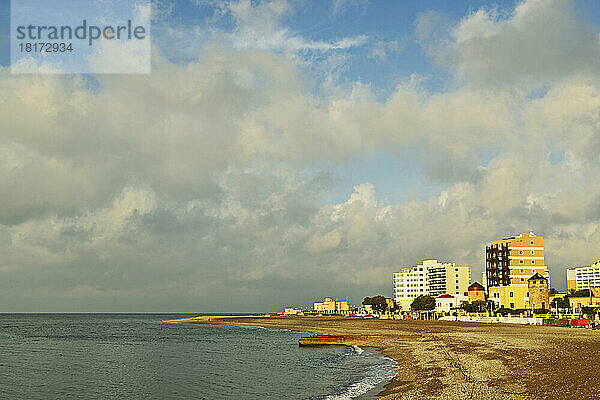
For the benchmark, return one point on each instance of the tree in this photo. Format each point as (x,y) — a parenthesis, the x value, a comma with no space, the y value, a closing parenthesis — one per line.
(504,311)
(378,303)
(589,311)
(476,306)
(424,303)
(561,302)
(579,293)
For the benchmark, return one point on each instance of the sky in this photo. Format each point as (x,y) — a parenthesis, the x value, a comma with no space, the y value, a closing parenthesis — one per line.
(285,151)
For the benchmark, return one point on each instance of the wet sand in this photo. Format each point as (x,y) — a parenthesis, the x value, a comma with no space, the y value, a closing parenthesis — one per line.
(458,360)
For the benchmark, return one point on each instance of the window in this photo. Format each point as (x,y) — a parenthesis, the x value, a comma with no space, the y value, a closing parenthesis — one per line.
(532,252)
(512,305)
(520,251)
(511,294)
(522,271)
(521,261)
(531,242)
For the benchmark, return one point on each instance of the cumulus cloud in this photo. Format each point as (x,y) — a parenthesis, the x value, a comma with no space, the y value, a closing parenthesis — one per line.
(537,43)
(201,186)
(126,57)
(324,242)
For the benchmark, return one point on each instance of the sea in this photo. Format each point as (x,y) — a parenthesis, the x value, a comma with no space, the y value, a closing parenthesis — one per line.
(136,356)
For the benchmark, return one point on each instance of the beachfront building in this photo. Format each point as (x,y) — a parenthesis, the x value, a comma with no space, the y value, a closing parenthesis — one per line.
(538,293)
(579,302)
(447,278)
(533,296)
(292,311)
(431,278)
(409,284)
(510,262)
(515,297)
(445,302)
(330,306)
(581,278)
(476,292)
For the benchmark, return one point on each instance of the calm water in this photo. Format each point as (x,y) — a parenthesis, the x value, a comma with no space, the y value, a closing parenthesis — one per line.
(98,356)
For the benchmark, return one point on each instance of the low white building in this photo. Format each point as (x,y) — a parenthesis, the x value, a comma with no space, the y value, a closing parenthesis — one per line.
(445,302)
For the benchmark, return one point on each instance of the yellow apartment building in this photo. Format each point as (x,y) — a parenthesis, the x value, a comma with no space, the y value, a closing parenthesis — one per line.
(510,296)
(510,262)
(533,296)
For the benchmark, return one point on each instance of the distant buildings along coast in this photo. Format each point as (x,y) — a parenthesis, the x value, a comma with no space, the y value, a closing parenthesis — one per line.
(515,282)
(515,278)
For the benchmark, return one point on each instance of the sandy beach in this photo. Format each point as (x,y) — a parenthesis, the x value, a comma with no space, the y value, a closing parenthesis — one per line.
(454,360)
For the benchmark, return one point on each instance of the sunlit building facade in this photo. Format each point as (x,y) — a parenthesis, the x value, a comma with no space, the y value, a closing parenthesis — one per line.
(330,306)
(510,262)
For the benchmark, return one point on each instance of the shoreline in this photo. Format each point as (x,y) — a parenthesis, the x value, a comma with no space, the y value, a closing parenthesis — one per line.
(377,391)
(458,360)
(373,393)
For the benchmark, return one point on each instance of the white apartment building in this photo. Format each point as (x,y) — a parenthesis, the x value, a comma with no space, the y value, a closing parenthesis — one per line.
(584,277)
(432,278)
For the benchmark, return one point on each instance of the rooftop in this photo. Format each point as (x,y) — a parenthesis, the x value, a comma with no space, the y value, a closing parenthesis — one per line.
(524,234)
(536,276)
(476,286)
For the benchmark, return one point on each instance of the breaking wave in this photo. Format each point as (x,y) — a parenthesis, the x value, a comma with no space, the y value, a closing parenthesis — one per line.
(376,375)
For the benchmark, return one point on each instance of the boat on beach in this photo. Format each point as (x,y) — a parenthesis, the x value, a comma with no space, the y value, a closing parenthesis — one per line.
(322,340)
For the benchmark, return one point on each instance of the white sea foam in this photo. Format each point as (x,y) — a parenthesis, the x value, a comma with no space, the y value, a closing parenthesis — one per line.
(358,350)
(263,328)
(375,375)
